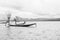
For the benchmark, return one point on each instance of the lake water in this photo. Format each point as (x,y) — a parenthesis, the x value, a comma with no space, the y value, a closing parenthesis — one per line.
(43,31)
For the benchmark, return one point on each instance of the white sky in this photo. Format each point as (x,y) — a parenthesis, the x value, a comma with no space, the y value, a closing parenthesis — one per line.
(39,7)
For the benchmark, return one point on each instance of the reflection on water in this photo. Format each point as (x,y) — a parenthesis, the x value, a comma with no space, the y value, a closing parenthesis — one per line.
(43,31)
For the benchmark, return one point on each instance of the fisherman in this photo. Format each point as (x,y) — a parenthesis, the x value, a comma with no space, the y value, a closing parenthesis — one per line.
(8,19)
(15,20)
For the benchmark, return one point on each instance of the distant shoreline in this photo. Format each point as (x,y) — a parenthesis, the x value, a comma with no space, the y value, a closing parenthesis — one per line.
(36,19)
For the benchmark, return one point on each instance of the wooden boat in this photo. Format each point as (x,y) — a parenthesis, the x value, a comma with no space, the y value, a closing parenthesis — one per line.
(22,25)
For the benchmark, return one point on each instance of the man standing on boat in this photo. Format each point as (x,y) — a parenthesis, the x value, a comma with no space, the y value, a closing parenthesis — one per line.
(8,19)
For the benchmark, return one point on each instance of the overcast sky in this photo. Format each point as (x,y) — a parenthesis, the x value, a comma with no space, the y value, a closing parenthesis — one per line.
(39,7)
